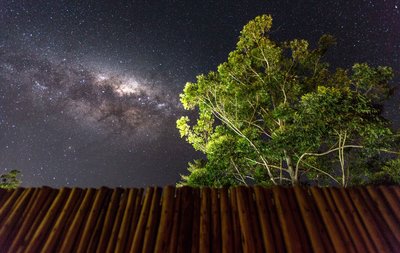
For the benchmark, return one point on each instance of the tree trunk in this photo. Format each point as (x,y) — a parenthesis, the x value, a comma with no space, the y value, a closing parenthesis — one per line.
(290,169)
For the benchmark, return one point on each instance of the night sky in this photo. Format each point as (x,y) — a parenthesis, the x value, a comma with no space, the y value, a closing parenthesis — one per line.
(89,89)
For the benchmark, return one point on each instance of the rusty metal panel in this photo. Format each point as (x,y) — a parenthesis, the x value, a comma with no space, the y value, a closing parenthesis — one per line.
(240,219)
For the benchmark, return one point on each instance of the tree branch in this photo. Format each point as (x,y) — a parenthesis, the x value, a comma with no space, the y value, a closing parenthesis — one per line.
(237,170)
(220,116)
(323,172)
(322,154)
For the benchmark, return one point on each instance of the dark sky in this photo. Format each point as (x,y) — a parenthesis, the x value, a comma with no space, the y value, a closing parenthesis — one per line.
(89,89)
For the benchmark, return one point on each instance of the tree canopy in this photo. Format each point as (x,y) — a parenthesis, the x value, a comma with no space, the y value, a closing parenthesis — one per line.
(276,113)
(10,180)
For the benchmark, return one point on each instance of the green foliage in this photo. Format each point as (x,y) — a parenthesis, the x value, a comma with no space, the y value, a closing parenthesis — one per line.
(391,171)
(10,180)
(275,113)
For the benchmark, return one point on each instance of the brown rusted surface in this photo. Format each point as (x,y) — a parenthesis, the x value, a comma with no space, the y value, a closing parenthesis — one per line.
(311,221)
(226,222)
(205,223)
(166,219)
(241,219)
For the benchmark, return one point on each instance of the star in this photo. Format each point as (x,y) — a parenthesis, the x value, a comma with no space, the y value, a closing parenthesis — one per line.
(89,92)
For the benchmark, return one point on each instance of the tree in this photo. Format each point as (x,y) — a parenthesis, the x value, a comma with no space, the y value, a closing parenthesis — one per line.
(10,180)
(275,113)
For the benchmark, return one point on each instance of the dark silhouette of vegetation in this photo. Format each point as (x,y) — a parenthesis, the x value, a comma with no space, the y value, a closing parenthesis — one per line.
(10,180)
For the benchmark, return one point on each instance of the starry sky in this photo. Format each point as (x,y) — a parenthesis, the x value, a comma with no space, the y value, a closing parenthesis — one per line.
(89,89)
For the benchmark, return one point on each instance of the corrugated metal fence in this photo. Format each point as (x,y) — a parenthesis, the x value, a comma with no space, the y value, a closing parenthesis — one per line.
(241,219)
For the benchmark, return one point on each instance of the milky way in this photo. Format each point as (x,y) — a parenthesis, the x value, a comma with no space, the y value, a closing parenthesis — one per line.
(72,121)
(105,101)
